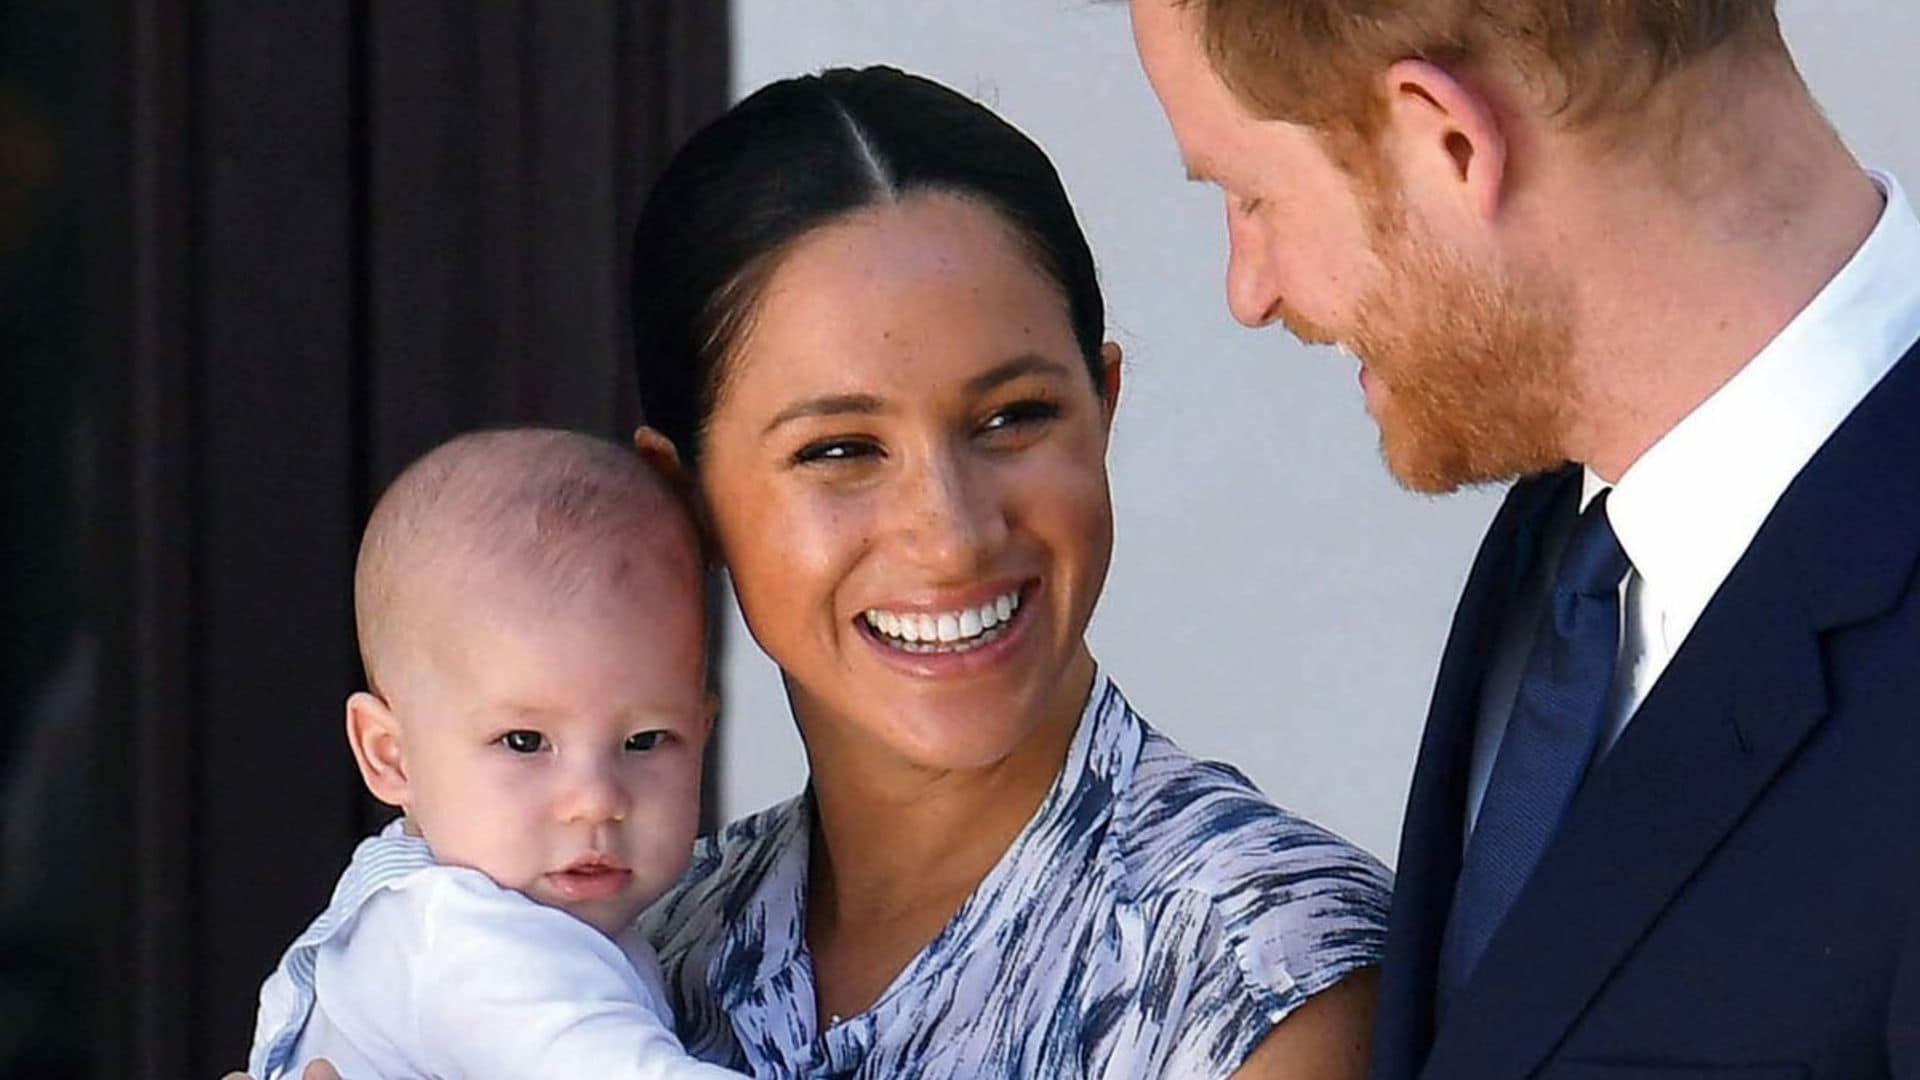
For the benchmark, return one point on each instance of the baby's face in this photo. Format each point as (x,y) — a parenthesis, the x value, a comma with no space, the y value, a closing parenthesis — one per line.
(560,752)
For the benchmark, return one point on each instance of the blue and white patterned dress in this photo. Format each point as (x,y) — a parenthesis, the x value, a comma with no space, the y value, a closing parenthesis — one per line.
(1157,917)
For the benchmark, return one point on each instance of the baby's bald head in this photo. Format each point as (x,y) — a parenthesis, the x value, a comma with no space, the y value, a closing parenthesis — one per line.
(549,517)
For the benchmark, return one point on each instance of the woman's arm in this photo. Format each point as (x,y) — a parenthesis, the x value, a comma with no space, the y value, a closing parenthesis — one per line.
(1327,1038)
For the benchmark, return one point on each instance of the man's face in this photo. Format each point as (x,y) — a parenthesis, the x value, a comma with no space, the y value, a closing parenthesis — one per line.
(1297,230)
(1463,361)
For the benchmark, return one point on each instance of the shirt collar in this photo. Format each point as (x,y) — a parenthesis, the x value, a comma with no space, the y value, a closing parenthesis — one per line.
(1686,511)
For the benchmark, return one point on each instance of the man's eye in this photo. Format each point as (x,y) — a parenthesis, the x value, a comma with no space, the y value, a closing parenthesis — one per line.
(642,741)
(523,742)
(834,450)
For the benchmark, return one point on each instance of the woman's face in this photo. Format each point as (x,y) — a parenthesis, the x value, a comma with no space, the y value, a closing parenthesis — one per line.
(906,472)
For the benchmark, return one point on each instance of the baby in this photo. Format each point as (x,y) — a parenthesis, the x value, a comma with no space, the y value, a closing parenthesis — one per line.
(529,607)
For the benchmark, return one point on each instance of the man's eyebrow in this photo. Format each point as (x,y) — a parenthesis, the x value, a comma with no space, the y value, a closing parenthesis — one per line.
(827,405)
(1024,364)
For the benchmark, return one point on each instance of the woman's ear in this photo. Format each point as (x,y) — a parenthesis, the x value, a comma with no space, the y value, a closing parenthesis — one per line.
(712,711)
(1110,379)
(374,734)
(659,452)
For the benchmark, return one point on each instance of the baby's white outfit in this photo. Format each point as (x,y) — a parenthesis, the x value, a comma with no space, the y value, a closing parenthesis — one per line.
(421,970)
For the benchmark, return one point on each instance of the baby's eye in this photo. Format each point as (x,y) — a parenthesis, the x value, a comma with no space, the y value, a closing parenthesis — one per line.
(523,742)
(642,741)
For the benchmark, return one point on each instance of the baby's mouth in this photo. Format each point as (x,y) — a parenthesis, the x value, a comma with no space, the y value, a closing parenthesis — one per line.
(592,878)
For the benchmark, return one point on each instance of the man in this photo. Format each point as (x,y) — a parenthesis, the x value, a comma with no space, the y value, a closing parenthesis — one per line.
(1663,821)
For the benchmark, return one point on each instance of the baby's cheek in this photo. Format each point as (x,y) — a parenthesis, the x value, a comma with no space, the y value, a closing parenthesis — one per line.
(667,830)
(492,832)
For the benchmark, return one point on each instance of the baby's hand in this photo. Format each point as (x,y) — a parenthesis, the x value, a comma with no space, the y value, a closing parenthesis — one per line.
(317,1069)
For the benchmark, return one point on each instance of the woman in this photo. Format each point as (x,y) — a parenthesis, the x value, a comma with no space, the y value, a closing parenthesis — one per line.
(868,325)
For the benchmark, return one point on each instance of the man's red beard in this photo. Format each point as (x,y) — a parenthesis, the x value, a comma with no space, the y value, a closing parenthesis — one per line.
(1472,365)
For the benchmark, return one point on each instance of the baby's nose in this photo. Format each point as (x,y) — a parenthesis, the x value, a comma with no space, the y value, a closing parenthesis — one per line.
(595,796)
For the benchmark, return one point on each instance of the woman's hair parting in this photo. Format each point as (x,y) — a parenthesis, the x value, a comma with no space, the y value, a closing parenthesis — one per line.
(799,154)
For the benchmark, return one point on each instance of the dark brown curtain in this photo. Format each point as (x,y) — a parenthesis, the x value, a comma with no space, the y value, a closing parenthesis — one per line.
(293,246)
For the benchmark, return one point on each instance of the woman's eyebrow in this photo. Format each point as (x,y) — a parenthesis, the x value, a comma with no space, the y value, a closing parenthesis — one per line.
(829,405)
(868,404)
(1024,364)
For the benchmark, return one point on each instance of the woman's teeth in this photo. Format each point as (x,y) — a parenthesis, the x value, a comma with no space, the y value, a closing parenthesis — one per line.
(948,631)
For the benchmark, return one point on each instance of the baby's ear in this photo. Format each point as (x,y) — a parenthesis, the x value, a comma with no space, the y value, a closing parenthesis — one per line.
(374,733)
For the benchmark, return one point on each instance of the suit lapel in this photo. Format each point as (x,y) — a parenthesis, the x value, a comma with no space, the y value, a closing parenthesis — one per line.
(1743,693)
(1728,713)
(1430,838)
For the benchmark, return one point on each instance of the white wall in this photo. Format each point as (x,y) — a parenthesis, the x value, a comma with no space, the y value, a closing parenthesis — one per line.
(1275,601)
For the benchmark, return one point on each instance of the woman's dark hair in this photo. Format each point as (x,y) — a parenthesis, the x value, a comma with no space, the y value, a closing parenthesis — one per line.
(799,154)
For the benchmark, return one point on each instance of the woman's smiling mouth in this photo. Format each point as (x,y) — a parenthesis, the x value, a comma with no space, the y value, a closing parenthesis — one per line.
(959,630)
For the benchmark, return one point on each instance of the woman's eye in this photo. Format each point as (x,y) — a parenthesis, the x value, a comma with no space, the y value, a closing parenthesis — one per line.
(1021,414)
(523,742)
(642,741)
(834,450)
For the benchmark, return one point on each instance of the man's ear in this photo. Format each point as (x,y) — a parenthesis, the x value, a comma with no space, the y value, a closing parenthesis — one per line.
(1110,363)
(374,734)
(1446,138)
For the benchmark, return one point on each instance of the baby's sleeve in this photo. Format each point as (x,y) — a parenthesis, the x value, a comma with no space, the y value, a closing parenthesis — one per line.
(499,986)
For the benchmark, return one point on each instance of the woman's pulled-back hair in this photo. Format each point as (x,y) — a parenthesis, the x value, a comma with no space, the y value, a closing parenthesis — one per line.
(799,154)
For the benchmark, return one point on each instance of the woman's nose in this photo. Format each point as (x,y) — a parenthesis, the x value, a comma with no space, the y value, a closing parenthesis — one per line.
(1253,281)
(952,516)
(594,793)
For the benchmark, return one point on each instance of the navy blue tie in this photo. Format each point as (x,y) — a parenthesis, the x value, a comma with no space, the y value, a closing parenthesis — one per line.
(1559,715)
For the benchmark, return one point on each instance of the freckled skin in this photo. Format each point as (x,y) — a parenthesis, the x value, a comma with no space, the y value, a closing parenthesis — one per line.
(907,303)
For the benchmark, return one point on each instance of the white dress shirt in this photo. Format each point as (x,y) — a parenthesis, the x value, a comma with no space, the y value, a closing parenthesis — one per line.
(422,970)
(1686,511)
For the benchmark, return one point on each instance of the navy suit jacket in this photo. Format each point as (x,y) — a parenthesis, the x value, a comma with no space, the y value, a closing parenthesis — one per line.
(1735,892)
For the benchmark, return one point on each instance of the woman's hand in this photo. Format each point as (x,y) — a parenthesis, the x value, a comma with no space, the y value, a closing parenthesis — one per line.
(1327,1038)
(318,1069)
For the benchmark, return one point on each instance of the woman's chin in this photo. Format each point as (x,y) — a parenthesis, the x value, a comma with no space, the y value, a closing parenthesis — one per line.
(961,728)
(950,743)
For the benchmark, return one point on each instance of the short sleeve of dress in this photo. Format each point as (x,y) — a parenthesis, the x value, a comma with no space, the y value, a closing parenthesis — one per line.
(1282,911)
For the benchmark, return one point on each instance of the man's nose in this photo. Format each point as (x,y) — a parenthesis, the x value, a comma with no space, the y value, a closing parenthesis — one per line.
(1253,280)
